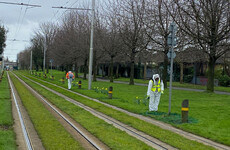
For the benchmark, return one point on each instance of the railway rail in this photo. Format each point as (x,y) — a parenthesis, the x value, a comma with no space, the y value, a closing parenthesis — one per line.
(26,136)
(153,142)
(95,144)
(147,119)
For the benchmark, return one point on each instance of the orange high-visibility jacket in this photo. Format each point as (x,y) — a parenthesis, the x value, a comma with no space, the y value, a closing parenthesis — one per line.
(67,75)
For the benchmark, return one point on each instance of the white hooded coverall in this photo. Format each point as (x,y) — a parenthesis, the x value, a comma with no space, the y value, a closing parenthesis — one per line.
(69,79)
(154,95)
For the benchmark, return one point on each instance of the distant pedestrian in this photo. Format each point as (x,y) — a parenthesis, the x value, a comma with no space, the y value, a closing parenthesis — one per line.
(70,77)
(155,89)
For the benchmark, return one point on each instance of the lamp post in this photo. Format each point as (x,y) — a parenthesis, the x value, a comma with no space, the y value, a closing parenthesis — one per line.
(91,47)
(91,40)
(171,55)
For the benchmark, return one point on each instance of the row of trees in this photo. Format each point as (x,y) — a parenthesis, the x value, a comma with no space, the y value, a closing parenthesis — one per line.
(133,30)
(2,38)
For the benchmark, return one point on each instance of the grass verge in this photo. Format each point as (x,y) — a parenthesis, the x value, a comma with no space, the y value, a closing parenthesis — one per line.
(107,133)
(51,132)
(209,111)
(164,135)
(7,135)
(178,84)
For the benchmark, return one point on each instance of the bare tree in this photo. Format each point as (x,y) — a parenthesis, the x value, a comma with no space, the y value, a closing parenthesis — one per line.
(24,59)
(37,48)
(109,36)
(47,31)
(208,24)
(131,29)
(157,28)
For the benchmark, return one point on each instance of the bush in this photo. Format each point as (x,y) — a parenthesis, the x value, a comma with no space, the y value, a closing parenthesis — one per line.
(224,80)
(188,78)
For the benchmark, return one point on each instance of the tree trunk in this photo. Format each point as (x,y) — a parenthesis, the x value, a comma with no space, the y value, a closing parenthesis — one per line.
(111,69)
(95,66)
(195,73)
(85,69)
(131,82)
(211,67)
(103,70)
(37,67)
(94,71)
(47,68)
(145,69)
(117,71)
(76,71)
(165,70)
(181,72)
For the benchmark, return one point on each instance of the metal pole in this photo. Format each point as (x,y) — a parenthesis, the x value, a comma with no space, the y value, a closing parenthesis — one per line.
(91,47)
(171,72)
(170,83)
(44,60)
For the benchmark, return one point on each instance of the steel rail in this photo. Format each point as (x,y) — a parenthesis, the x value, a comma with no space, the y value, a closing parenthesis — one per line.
(62,116)
(158,123)
(131,131)
(25,133)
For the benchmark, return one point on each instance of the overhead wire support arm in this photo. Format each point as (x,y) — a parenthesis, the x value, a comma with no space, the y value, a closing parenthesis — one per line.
(71,8)
(10,3)
(91,40)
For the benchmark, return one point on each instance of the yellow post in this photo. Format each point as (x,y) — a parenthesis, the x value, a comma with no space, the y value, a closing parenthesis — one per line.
(79,84)
(184,111)
(110,92)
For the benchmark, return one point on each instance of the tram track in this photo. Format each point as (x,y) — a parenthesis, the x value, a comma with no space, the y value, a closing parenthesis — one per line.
(151,141)
(150,120)
(70,125)
(29,144)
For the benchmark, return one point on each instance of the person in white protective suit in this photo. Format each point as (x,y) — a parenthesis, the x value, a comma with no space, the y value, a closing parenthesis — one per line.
(155,89)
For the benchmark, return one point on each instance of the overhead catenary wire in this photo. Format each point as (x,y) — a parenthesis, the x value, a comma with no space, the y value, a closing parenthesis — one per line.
(19,23)
(64,11)
(11,3)
(58,11)
(24,11)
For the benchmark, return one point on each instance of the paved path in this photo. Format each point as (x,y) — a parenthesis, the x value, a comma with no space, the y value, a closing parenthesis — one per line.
(176,88)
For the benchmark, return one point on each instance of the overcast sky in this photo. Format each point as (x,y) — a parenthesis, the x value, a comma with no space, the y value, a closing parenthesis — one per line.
(22,21)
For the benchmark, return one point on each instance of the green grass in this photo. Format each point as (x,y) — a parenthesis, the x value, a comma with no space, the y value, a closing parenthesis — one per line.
(178,84)
(59,74)
(51,132)
(210,110)
(148,128)
(206,108)
(7,135)
(102,130)
(7,140)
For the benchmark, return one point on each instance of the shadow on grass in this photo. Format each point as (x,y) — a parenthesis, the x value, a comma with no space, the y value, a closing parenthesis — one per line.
(173,118)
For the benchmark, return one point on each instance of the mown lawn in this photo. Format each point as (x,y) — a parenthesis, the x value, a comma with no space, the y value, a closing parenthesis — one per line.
(208,112)
(178,84)
(7,135)
(51,132)
(107,133)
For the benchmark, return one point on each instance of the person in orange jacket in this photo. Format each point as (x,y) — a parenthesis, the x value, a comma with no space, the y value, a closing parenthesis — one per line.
(70,77)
